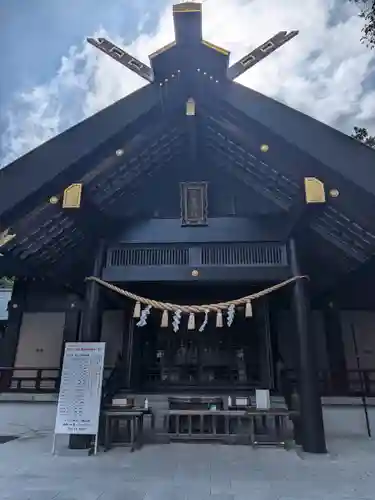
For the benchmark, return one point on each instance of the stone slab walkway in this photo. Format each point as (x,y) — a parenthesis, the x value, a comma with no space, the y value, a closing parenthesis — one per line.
(28,471)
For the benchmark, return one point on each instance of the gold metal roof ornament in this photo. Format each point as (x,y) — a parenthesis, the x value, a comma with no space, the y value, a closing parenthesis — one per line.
(314,190)
(72,196)
(5,237)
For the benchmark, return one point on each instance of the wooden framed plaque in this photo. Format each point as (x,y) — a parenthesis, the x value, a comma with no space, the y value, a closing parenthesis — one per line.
(193,203)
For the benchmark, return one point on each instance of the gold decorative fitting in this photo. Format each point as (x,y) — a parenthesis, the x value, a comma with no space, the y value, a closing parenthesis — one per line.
(53,200)
(6,237)
(190,107)
(215,47)
(162,49)
(72,196)
(314,190)
(334,193)
(187,7)
(264,148)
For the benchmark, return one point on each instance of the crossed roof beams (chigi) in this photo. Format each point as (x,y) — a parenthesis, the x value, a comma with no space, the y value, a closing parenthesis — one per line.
(147,73)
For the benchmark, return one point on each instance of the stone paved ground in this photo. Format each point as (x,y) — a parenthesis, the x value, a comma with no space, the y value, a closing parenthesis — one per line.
(187,471)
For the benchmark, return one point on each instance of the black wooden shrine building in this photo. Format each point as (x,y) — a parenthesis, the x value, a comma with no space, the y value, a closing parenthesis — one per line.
(193,189)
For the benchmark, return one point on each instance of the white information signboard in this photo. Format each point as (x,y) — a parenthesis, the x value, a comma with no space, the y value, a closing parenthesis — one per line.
(79,401)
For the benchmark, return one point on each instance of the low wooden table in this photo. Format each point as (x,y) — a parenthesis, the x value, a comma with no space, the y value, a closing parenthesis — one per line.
(279,416)
(134,419)
(147,412)
(224,430)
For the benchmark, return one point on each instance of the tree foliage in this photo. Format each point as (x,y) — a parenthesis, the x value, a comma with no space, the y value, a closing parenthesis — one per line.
(6,282)
(361,134)
(368,14)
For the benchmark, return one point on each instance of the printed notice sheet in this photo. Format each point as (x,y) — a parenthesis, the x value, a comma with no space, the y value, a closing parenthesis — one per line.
(80,389)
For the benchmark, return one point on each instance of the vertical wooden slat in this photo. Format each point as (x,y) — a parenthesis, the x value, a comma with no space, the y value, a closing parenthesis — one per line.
(272,254)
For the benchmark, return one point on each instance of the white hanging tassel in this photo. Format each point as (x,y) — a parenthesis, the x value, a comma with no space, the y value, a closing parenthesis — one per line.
(164,319)
(248,310)
(144,315)
(176,320)
(230,314)
(191,321)
(205,321)
(219,319)
(137,310)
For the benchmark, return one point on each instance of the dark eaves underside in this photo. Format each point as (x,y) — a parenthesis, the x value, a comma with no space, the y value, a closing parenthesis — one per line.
(149,128)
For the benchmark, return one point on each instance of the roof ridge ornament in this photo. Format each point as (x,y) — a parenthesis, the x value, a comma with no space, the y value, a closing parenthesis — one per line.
(260,53)
(188,31)
(123,57)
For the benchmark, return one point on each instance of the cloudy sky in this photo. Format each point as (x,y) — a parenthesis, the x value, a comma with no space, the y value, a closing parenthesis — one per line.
(51,78)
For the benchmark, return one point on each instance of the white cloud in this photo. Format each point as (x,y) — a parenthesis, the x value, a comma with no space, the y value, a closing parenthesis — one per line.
(321,72)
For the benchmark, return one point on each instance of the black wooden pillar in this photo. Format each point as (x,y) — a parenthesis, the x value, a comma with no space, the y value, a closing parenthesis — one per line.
(313,438)
(90,327)
(72,322)
(127,343)
(91,322)
(335,348)
(262,318)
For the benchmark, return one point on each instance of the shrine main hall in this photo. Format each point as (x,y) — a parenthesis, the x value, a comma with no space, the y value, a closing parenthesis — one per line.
(206,232)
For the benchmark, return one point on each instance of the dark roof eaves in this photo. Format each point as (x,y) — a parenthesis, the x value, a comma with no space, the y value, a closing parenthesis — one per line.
(332,148)
(52,158)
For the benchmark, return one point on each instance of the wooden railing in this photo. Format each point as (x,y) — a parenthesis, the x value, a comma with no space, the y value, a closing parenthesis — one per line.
(29,380)
(47,380)
(33,379)
(349,383)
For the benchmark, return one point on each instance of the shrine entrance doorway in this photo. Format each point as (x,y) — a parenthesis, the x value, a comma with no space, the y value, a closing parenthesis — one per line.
(235,358)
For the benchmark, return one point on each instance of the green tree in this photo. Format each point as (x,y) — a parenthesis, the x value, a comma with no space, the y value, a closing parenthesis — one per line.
(6,282)
(367,12)
(361,134)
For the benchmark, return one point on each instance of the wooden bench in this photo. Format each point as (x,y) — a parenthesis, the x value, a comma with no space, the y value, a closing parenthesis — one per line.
(134,423)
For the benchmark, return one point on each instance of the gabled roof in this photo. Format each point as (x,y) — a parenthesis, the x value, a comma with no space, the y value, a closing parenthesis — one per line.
(112,153)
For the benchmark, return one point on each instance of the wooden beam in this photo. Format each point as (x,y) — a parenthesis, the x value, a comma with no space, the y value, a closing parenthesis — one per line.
(91,220)
(259,53)
(191,120)
(309,203)
(69,156)
(187,19)
(123,58)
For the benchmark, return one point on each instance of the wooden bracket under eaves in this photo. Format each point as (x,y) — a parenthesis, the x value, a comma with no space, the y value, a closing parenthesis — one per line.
(314,190)
(72,196)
